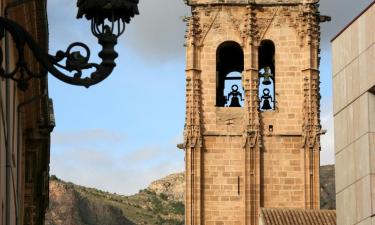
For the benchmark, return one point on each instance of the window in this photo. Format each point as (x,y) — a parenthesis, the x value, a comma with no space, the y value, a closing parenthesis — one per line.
(229,67)
(266,60)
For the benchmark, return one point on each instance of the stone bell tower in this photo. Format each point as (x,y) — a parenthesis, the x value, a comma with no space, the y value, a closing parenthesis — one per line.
(252,132)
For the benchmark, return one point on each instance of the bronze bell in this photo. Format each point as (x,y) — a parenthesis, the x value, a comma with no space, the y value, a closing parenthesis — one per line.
(267,76)
(266,97)
(235,94)
(266,105)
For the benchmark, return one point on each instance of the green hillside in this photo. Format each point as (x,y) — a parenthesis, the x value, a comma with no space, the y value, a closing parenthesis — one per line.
(89,206)
(161,203)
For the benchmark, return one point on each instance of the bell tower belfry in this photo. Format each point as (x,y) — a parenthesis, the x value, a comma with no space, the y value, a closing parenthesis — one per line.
(252,131)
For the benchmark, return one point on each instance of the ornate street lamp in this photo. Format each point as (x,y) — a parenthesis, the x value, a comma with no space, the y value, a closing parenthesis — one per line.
(108,18)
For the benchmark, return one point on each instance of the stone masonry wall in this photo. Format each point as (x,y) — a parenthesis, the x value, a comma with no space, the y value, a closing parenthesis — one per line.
(223,190)
(237,164)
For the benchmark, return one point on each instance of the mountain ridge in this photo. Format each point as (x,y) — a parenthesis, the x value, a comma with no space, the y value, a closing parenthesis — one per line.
(160,203)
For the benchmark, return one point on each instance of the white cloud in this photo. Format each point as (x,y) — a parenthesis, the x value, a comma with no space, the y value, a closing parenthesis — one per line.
(342,12)
(123,173)
(155,36)
(143,155)
(87,136)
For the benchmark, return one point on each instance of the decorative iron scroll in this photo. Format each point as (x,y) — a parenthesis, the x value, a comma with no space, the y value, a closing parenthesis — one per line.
(75,62)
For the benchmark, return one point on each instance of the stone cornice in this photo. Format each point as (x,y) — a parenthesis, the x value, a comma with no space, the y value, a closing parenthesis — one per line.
(264,3)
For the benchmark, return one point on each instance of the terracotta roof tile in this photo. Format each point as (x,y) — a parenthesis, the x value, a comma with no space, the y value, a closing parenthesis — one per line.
(297,217)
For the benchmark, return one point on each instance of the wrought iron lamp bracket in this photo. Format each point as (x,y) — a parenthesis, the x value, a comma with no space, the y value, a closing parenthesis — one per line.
(75,62)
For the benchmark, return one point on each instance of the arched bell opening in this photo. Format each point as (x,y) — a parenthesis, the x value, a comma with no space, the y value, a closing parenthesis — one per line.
(266,66)
(229,67)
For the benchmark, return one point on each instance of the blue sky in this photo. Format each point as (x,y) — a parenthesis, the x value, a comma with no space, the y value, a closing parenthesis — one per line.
(122,133)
